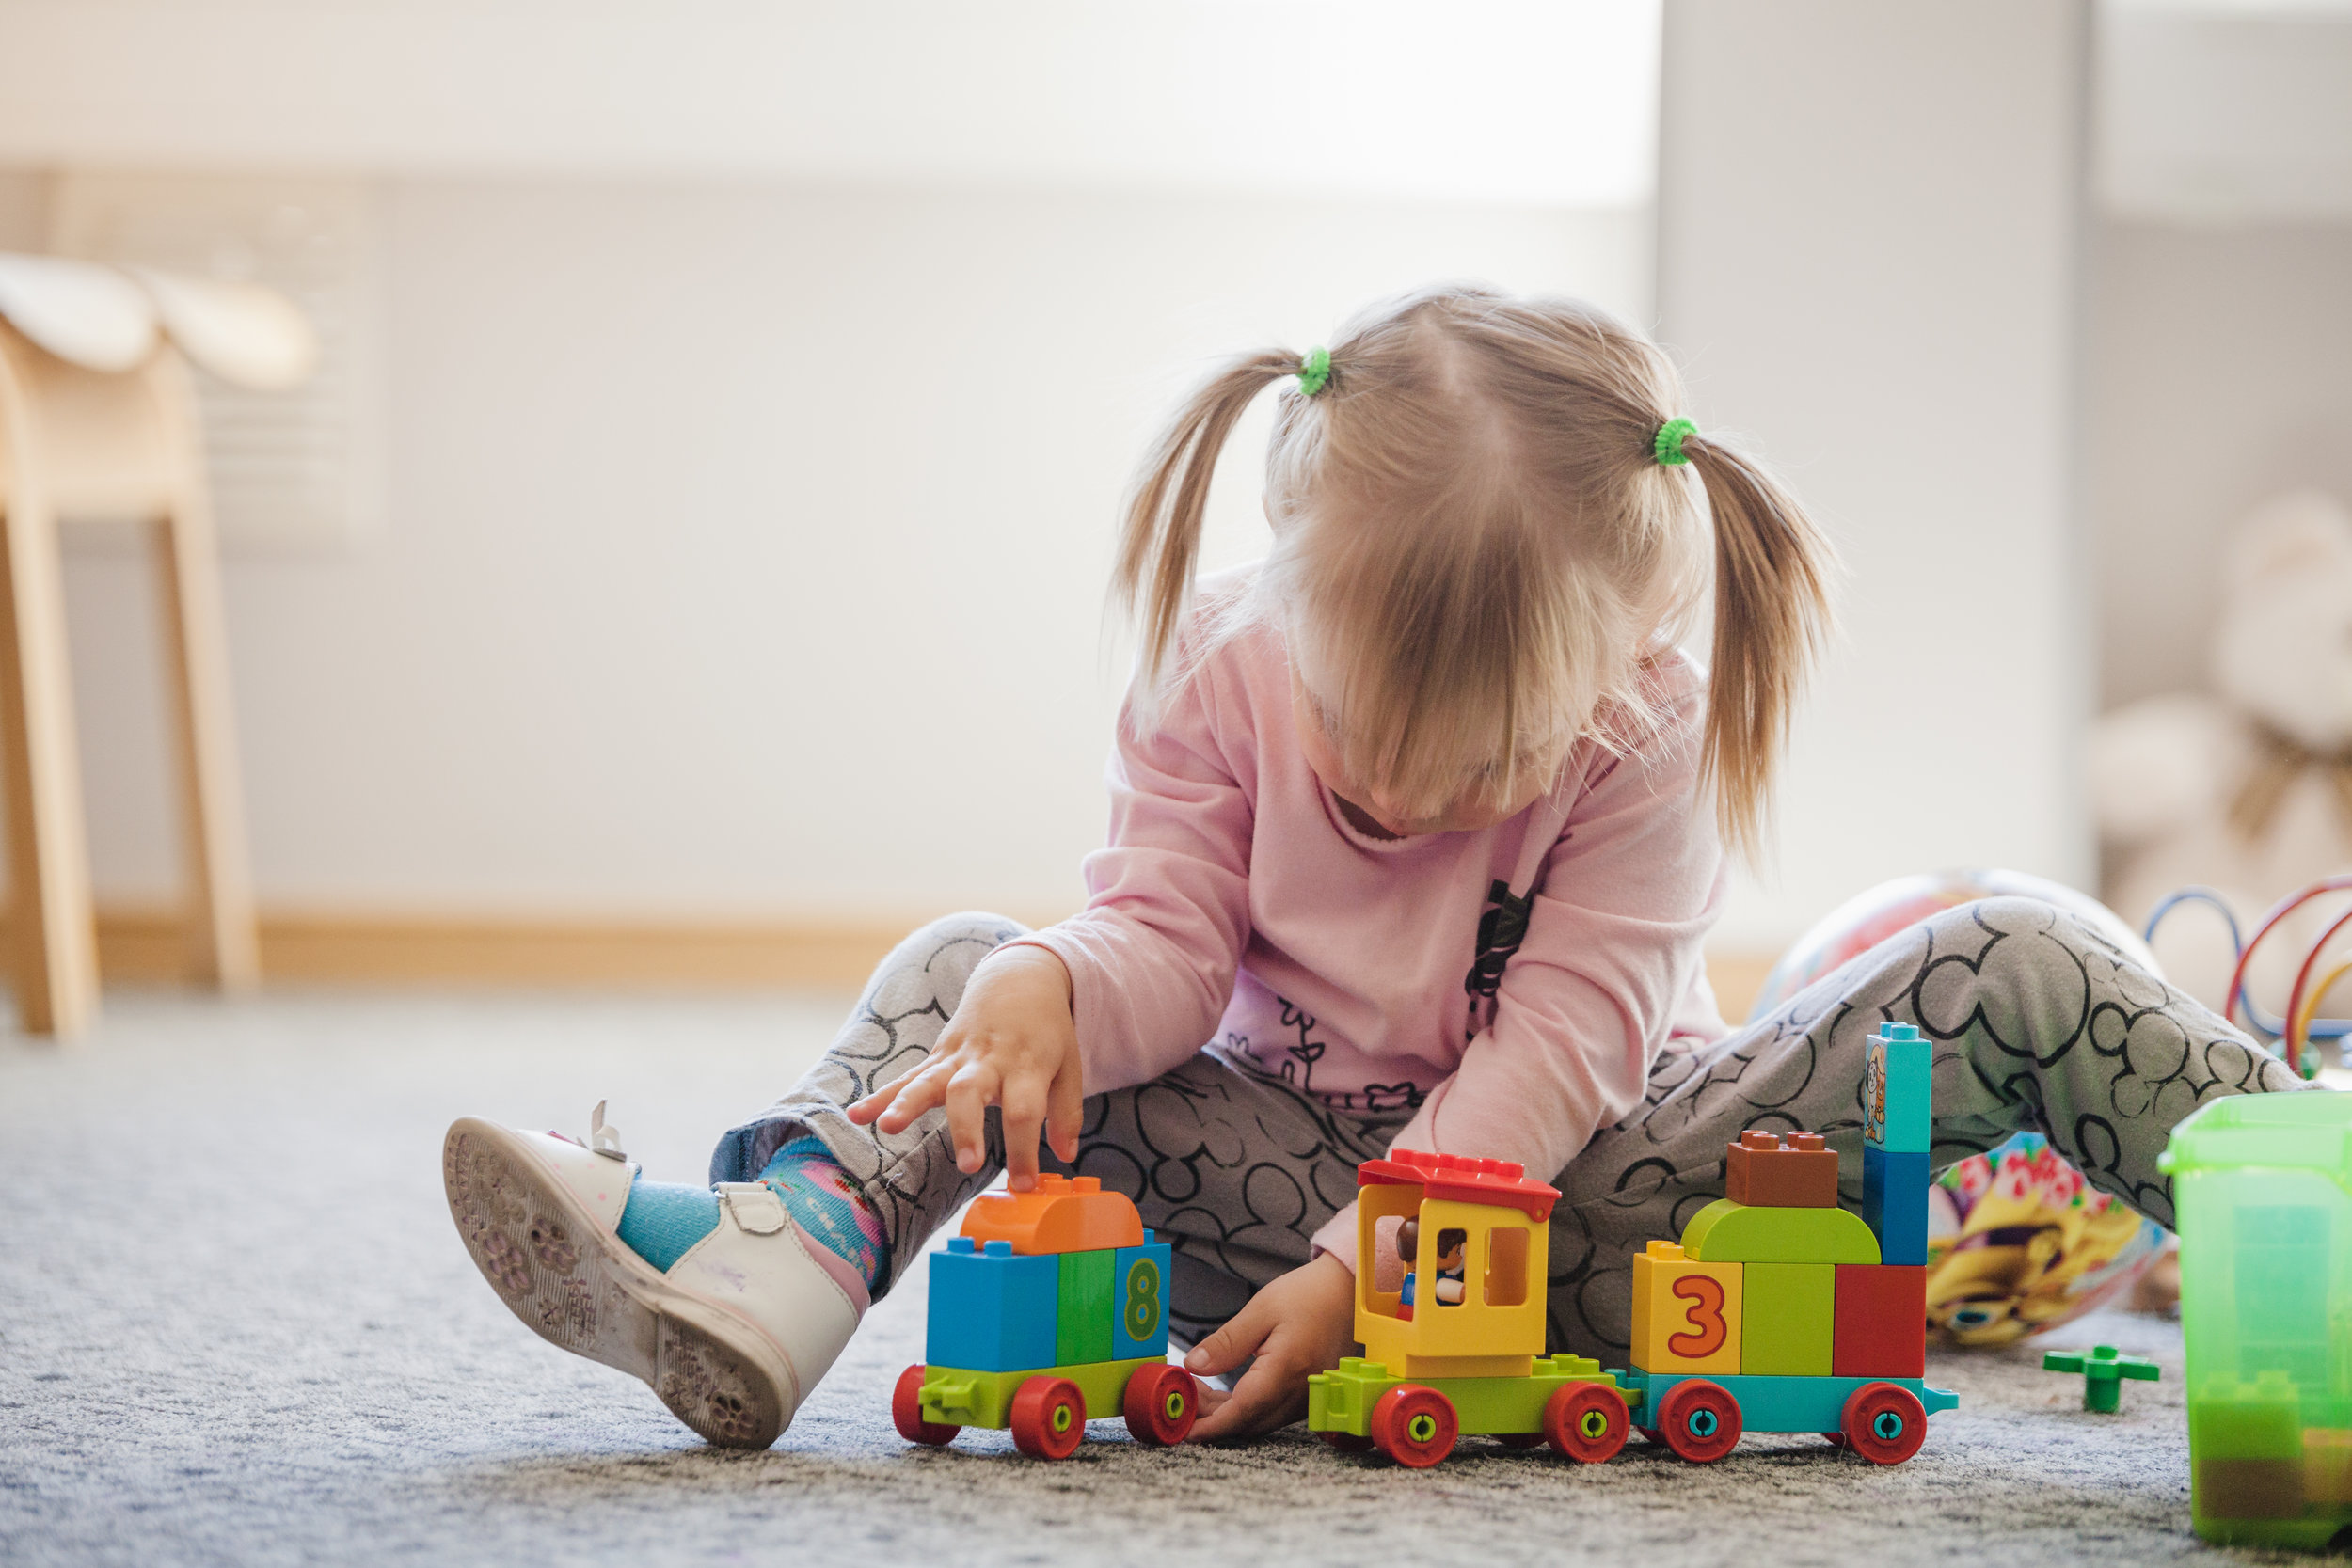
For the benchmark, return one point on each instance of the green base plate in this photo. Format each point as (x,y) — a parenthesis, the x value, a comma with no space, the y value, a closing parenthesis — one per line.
(955,1397)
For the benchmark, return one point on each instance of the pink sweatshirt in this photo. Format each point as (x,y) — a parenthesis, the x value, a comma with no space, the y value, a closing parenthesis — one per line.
(1235,904)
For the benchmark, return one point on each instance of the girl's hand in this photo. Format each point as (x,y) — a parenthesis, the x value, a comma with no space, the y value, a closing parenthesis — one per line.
(1011,1043)
(1301,1324)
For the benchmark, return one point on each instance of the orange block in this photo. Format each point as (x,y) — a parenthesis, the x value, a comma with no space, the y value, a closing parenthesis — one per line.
(1061,1214)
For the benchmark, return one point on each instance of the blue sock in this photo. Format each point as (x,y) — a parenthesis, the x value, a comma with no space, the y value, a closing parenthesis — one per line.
(663,1220)
(829,1206)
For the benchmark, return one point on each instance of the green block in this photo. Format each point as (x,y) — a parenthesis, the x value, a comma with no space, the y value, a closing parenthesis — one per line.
(1787,1319)
(1729,1232)
(1341,1399)
(1082,1330)
(2262,1419)
(955,1396)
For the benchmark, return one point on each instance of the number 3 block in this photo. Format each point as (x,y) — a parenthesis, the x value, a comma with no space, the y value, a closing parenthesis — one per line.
(1686,1314)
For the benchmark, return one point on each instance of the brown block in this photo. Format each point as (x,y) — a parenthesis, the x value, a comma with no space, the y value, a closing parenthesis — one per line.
(1770,1172)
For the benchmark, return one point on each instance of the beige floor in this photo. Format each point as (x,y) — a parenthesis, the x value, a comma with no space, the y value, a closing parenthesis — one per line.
(235,1325)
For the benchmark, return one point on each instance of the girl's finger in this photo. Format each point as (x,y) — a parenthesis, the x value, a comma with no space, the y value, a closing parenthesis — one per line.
(1230,1346)
(1064,1109)
(969,1092)
(913,1094)
(1024,1103)
(1255,1406)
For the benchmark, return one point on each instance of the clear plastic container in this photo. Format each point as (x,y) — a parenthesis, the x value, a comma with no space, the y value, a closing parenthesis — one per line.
(2264,1186)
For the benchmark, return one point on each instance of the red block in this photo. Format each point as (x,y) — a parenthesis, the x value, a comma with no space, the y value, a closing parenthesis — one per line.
(1882,1320)
(1763,1170)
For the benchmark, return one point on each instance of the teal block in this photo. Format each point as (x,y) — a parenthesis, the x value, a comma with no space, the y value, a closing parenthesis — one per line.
(991,1311)
(1898,1067)
(1895,1203)
(1778,1403)
(1139,1283)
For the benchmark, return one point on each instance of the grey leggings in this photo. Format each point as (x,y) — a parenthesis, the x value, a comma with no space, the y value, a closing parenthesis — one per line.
(2040,1024)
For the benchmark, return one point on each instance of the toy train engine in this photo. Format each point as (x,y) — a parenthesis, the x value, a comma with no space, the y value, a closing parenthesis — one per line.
(1049,1310)
(1454,1347)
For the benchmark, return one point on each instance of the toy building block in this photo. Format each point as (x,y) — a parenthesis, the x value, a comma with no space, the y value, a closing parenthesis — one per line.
(1882,1320)
(2103,1373)
(1687,1313)
(1786,1318)
(991,1309)
(1083,1331)
(1895,1203)
(1729,1232)
(2246,1449)
(1796,1172)
(1896,1076)
(2328,1466)
(1062,1213)
(1139,1288)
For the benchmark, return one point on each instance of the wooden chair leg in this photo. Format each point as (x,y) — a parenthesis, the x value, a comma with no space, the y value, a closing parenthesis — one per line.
(48,852)
(225,945)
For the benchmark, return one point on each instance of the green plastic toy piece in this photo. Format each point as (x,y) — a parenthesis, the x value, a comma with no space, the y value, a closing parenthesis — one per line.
(1341,1399)
(1667,449)
(2103,1373)
(1729,1232)
(1788,1312)
(955,1396)
(1314,371)
(1081,1331)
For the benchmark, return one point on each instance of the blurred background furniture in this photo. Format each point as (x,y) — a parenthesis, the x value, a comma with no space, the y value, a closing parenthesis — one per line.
(97,421)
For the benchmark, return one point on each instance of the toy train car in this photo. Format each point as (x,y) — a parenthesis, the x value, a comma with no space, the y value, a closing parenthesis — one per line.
(1778,1312)
(1047,1311)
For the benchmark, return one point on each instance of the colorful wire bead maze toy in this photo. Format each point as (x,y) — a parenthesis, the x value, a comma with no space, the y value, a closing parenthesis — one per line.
(2263,1186)
(1462,1361)
(1049,1310)
(2102,1370)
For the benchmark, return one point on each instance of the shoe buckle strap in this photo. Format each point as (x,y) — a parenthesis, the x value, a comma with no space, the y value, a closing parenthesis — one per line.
(605,1140)
(755,1207)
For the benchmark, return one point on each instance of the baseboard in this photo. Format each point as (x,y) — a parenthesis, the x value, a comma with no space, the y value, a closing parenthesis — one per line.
(330,948)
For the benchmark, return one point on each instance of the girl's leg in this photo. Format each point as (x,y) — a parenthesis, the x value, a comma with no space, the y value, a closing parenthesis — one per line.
(2039,1022)
(907,1181)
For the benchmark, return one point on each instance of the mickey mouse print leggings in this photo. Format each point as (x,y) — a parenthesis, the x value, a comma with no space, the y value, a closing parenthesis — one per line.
(2038,1023)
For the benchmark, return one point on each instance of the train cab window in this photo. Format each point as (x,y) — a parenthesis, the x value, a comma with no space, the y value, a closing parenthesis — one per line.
(1452,1244)
(1505,1284)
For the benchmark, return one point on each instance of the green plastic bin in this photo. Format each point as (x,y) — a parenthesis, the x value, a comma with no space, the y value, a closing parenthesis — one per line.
(2264,1187)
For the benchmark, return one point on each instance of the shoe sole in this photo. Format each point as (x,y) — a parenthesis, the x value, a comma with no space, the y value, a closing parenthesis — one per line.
(552,1264)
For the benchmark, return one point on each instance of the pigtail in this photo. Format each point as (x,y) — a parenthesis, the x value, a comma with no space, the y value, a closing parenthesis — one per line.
(1772,572)
(1160,540)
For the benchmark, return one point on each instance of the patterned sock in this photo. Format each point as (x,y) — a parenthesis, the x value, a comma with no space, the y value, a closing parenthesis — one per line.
(829,1206)
(664,1219)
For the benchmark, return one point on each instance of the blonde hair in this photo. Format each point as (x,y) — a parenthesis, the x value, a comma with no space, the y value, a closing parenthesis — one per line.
(1473,538)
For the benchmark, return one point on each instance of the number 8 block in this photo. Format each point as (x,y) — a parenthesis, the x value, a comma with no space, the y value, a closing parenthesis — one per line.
(1140,1301)
(1686,1314)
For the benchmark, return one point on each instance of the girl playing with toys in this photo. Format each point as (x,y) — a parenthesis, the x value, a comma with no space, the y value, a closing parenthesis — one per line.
(1417,827)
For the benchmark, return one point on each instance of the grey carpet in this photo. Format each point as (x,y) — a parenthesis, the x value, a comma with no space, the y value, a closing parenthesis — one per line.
(235,1325)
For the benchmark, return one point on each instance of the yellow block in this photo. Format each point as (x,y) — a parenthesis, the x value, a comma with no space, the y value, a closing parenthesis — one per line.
(1686,1314)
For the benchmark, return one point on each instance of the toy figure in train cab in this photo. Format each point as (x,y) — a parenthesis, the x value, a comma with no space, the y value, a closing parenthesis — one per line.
(1778,1312)
(1049,1310)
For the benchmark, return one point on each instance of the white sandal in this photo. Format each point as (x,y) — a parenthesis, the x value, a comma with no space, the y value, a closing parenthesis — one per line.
(732,1338)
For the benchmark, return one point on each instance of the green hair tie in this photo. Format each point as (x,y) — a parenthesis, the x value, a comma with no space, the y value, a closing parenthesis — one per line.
(1667,449)
(1314,371)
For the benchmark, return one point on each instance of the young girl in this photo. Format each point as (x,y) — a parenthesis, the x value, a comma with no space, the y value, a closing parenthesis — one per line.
(1416,831)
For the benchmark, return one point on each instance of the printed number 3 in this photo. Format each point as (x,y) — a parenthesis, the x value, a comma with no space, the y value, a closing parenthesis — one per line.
(1705,1315)
(1143,1298)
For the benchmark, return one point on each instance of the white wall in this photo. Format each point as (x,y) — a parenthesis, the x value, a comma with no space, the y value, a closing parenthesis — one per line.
(745,539)
(1868,259)
(2221,374)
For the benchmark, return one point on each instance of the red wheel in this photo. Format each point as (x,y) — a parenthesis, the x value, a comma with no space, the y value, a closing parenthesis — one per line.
(1834,1440)
(1415,1425)
(1162,1403)
(1048,1418)
(1519,1439)
(906,1412)
(1884,1422)
(1651,1436)
(1347,1442)
(1699,1420)
(1587,1421)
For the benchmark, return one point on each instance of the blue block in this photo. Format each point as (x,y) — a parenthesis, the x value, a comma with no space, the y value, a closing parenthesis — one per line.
(1140,1280)
(1896,1096)
(1781,1403)
(1895,1203)
(992,1312)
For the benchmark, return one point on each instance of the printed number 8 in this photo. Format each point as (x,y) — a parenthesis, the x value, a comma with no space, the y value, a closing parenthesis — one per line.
(1705,1315)
(1143,1298)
